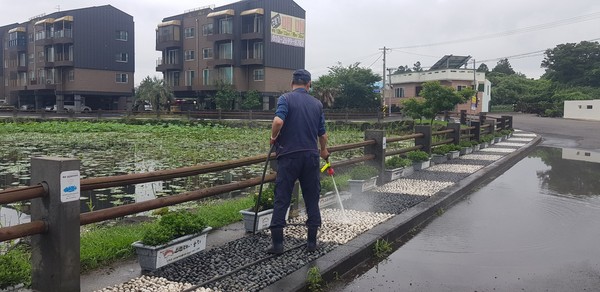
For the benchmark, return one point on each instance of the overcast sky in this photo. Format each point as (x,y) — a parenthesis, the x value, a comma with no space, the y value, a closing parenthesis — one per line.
(353,31)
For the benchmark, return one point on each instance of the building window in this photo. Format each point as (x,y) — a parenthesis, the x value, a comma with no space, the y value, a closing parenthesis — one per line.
(122,57)
(226,51)
(418,90)
(399,92)
(190,55)
(122,77)
(590,106)
(226,26)
(207,29)
(71,75)
(207,53)
(189,32)
(259,74)
(121,35)
(206,77)
(189,77)
(226,75)
(31,58)
(172,57)
(258,50)
(172,78)
(460,87)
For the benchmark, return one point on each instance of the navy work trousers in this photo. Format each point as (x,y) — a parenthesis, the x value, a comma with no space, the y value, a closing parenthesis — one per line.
(302,166)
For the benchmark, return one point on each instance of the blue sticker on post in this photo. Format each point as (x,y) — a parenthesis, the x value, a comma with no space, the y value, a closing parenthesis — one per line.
(70,186)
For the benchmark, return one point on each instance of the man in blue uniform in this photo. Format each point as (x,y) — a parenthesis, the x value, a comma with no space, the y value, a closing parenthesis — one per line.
(298,124)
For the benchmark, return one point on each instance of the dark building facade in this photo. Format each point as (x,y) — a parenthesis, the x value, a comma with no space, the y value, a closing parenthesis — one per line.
(75,57)
(251,44)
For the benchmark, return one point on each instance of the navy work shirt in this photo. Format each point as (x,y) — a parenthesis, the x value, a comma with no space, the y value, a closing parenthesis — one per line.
(304,121)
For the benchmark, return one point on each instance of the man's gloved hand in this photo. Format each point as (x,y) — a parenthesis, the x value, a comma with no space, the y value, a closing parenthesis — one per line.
(324,154)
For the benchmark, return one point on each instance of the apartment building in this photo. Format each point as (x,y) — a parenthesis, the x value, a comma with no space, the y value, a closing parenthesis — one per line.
(449,71)
(74,57)
(251,44)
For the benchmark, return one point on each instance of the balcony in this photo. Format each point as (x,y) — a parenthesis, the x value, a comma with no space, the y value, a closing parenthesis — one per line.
(251,61)
(162,66)
(49,64)
(220,62)
(64,36)
(22,68)
(17,46)
(253,36)
(63,63)
(165,43)
(41,83)
(219,37)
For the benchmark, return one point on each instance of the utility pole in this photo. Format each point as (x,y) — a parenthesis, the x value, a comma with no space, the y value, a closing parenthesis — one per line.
(392,92)
(384,49)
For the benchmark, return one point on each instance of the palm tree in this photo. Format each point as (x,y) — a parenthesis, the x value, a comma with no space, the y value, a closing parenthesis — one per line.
(326,90)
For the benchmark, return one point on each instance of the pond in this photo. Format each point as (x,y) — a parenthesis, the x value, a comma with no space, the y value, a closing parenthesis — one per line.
(534,228)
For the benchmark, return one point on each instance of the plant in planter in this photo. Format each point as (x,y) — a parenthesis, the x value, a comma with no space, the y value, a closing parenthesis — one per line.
(476,145)
(177,235)
(454,151)
(419,158)
(485,140)
(498,136)
(439,154)
(397,167)
(265,211)
(466,147)
(328,196)
(363,178)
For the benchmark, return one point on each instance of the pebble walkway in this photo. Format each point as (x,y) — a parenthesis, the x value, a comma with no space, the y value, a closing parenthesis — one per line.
(363,211)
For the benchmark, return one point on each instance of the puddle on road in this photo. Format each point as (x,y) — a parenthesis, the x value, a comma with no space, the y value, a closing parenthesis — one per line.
(535,227)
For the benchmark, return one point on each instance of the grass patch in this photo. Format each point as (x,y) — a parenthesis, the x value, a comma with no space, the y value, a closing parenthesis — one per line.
(219,213)
(15,267)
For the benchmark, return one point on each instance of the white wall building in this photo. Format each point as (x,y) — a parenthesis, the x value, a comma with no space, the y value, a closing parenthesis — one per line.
(582,109)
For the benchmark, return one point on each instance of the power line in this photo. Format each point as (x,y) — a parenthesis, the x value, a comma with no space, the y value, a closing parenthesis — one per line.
(533,28)
(381,55)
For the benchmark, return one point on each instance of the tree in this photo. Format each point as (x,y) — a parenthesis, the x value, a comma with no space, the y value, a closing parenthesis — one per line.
(439,98)
(154,91)
(225,96)
(356,86)
(415,108)
(574,64)
(503,66)
(326,88)
(402,69)
(417,67)
(483,68)
(252,100)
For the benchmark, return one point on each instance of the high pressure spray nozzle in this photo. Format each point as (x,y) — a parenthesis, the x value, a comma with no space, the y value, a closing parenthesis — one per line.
(327,167)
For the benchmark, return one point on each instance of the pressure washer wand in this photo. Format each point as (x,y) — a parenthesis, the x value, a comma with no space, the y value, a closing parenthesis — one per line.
(260,189)
(331,172)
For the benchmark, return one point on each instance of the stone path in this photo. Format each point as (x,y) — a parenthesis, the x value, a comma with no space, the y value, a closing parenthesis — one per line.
(242,265)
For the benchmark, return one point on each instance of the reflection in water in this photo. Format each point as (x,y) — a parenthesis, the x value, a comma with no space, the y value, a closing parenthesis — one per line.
(572,176)
(510,235)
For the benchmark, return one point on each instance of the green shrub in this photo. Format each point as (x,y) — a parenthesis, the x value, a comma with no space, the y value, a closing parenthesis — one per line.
(362,172)
(441,150)
(417,155)
(172,225)
(474,143)
(498,134)
(397,162)
(15,268)
(267,198)
(465,143)
(454,147)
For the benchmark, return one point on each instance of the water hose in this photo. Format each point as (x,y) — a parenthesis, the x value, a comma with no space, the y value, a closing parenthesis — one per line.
(327,167)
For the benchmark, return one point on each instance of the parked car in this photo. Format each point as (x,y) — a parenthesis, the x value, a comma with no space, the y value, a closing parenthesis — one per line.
(7,108)
(27,107)
(69,108)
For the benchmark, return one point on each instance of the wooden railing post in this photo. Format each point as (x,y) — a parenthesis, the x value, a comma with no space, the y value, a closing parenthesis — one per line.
(476,131)
(377,149)
(482,117)
(463,117)
(509,122)
(502,124)
(456,134)
(426,139)
(492,127)
(55,259)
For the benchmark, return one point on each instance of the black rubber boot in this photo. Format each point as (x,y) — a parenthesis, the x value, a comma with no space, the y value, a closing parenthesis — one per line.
(311,244)
(277,237)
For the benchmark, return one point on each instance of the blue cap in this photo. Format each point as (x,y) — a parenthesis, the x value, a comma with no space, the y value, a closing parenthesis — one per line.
(302,74)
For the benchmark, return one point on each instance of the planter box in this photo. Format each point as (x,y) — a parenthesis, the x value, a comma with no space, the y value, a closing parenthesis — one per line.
(263,219)
(476,147)
(466,150)
(439,159)
(483,145)
(420,165)
(393,174)
(13,288)
(408,171)
(330,199)
(359,186)
(497,139)
(153,257)
(453,154)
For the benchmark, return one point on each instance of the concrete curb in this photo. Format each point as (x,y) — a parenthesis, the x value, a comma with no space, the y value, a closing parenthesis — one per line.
(346,257)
